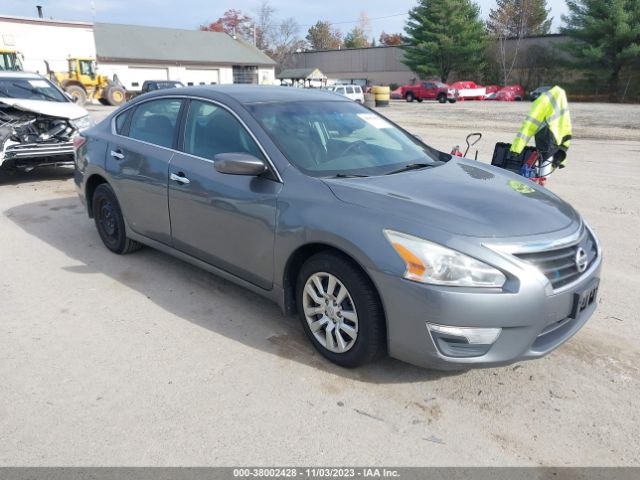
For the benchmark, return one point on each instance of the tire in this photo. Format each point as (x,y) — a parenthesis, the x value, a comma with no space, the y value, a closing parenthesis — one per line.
(451,100)
(359,316)
(110,221)
(78,93)
(419,100)
(104,101)
(409,97)
(115,95)
(442,98)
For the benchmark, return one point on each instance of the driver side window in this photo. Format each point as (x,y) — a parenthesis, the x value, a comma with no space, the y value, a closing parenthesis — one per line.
(210,130)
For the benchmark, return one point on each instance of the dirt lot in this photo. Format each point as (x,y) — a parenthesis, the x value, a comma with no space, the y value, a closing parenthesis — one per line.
(145,360)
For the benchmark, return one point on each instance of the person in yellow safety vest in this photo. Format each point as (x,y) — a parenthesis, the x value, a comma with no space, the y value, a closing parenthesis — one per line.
(550,123)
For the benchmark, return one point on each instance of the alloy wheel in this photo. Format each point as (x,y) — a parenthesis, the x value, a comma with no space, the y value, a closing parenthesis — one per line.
(330,312)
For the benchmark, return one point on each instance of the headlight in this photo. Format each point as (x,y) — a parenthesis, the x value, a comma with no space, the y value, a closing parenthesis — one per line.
(429,262)
(83,123)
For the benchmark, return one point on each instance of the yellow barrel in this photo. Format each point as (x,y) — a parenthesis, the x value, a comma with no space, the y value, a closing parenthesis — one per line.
(382,95)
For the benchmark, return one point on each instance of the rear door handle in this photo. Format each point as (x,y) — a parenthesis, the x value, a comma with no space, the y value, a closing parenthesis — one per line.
(117,154)
(180,178)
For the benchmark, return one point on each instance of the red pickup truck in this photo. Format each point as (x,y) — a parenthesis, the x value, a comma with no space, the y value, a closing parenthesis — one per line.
(428,91)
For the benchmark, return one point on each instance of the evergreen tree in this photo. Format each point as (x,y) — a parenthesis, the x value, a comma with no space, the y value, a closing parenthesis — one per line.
(519,18)
(443,36)
(605,36)
(323,37)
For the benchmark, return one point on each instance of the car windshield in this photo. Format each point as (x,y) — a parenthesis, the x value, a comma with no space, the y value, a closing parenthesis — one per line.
(30,89)
(326,139)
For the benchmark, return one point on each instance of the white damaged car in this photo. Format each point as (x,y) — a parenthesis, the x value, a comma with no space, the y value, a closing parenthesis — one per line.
(38,122)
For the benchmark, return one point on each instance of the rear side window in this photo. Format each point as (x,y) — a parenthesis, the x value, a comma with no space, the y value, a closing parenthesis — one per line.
(155,122)
(349,89)
(121,121)
(210,130)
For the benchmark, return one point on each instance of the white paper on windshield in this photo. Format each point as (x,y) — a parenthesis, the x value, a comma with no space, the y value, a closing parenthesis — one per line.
(374,120)
(38,83)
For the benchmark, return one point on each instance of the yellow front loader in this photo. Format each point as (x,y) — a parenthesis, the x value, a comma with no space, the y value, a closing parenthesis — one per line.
(82,82)
(10,60)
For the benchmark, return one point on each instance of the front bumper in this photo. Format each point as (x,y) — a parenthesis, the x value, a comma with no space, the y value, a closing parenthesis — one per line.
(534,321)
(25,155)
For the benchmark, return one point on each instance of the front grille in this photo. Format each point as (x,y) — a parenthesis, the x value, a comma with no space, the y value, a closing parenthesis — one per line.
(30,150)
(560,265)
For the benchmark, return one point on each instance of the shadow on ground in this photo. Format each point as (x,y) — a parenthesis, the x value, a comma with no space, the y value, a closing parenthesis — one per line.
(191,293)
(17,177)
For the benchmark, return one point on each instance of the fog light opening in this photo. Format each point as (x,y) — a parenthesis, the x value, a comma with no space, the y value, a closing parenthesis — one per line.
(463,341)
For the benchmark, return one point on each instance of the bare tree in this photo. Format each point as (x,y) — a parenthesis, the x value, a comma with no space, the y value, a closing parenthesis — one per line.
(502,29)
(286,41)
(265,25)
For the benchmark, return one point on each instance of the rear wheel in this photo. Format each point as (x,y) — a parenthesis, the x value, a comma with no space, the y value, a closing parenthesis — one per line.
(110,221)
(451,100)
(419,100)
(77,93)
(340,310)
(409,97)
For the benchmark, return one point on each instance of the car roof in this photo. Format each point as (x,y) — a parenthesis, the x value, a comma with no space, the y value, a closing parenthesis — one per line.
(250,94)
(14,74)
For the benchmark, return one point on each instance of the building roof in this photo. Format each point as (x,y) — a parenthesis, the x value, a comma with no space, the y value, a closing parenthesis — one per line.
(302,73)
(128,43)
(44,21)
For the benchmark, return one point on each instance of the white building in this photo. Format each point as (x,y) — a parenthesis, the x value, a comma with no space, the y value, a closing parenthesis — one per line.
(135,53)
(51,40)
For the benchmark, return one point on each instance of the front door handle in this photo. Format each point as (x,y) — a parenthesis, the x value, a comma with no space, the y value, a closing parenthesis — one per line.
(180,178)
(117,154)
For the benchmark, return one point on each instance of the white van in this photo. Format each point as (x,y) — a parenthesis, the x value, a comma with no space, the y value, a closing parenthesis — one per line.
(353,92)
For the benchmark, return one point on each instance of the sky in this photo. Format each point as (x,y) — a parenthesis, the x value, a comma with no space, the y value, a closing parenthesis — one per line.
(189,14)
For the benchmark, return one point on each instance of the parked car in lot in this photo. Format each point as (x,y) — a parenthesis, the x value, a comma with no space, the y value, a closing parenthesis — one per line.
(378,241)
(510,93)
(468,90)
(151,85)
(38,122)
(538,91)
(429,91)
(396,94)
(352,92)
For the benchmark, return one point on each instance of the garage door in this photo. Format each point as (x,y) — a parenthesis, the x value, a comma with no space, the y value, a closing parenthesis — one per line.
(200,76)
(137,75)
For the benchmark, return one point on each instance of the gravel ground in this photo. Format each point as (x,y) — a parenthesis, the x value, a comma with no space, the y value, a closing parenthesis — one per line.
(145,360)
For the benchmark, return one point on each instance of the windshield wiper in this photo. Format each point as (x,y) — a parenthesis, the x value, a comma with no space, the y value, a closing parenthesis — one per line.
(349,175)
(410,166)
(37,92)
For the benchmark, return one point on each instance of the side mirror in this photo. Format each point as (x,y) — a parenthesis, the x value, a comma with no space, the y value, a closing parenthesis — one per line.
(239,164)
(71,97)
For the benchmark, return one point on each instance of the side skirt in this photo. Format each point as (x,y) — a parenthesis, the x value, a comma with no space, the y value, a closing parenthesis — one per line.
(276,294)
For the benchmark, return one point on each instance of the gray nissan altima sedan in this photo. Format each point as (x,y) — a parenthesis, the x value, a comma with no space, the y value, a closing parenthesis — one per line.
(380,243)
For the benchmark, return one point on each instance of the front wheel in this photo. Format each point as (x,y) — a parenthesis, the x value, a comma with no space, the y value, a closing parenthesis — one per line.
(340,310)
(409,98)
(110,221)
(115,95)
(451,100)
(77,93)
(442,98)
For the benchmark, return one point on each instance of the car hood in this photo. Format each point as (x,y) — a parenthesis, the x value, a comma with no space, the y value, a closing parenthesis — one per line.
(55,109)
(462,197)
